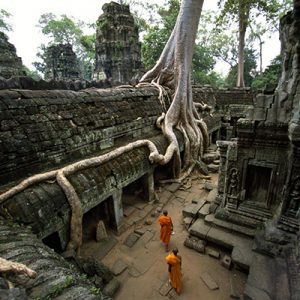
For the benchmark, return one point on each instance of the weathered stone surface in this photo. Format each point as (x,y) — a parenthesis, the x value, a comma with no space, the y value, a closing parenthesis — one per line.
(173,187)
(118,50)
(101,233)
(195,243)
(118,267)
(165,288)
(10,63)
(226,262)
(234,293)
(213,253)
(131,239)
(61,63)
(209,281)
(112,287)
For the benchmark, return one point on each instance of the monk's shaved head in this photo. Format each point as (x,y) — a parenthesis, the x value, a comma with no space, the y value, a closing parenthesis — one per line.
(175,251)
(165,212)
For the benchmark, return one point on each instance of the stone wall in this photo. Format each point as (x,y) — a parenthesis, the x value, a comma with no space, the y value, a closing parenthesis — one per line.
(42,130)
(10,63)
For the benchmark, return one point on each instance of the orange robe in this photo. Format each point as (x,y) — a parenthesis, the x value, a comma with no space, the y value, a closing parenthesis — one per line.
(175,272)
(166,228)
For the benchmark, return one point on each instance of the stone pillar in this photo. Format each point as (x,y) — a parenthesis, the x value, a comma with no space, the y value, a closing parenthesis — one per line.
(150,181)
(222,146)
(118,209)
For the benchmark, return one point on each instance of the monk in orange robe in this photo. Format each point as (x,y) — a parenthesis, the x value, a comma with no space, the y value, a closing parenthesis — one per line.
(166,228)
(174,262)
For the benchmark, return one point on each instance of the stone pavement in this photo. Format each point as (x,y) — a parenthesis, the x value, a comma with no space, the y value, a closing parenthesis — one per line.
(138,260)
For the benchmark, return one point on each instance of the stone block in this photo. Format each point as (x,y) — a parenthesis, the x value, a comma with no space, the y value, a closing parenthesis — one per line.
(111,288)
(234,293)
(187,221)
(165,288)
(118,267)
(204,210)
(213,168)
(226,262)
(213,253)
(209,281)
(189,210)
(101,233)
(131,239)
(209,186)
(140,231)
(128,210)
(173,187)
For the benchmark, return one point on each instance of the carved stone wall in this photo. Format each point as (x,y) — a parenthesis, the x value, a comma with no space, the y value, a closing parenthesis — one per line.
(61,63)
(268,146)
(118,50)
(10,63)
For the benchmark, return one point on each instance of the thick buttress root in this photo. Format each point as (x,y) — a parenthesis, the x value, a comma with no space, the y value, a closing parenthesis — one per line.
(173,70)
(61,176)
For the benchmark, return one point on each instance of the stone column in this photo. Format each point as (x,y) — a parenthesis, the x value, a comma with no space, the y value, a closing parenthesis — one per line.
(222,146)
(118,209)
(150,181)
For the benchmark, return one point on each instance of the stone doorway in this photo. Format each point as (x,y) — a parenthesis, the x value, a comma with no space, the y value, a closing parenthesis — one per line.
(258,181)
(53,242)
(104,211)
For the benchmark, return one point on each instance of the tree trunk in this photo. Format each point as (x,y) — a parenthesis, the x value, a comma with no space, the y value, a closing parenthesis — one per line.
(173,69)
(244,10)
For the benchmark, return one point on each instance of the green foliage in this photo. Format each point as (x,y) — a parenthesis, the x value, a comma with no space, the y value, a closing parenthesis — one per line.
(203,60)
(33,74)
(269,76)
(4,25)
(57,290)
(63,30)
(95,290)
(249,70)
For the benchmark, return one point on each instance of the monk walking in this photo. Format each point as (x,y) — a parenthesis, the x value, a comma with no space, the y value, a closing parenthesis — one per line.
(174,262)
(166,228)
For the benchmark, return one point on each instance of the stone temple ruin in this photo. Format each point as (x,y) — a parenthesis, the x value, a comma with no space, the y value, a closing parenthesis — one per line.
(254,211)
(118,50)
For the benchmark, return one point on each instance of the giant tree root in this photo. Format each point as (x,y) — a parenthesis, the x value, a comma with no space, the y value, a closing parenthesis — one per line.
(7,266)
(75,241)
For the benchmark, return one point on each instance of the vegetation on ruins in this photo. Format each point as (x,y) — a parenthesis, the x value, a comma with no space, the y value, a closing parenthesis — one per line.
(67,30)
(171,72)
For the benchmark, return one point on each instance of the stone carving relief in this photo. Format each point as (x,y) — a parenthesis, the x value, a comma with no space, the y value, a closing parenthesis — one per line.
(292,208)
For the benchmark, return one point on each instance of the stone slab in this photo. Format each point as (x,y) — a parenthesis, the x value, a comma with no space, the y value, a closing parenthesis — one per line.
(140,205)
(111,288)
(173,187)
(140,231)
(128,210)
(118,267)
(165,288)
(204,211)
(182,194)
(209,186)
(213,253)
(133,272)
(144,239)
(234,293)
(209,281)
(212,195)
(131,239)
(199,229)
